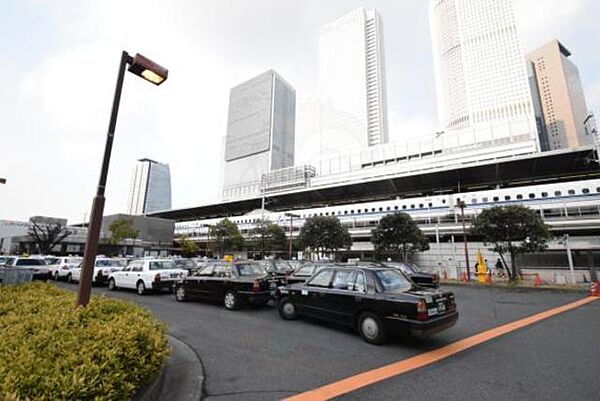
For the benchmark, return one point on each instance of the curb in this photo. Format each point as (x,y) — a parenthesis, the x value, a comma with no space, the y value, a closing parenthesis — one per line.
(181,379)
(516,288)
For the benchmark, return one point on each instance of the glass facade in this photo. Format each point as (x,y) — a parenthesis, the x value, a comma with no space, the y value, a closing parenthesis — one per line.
(150,188)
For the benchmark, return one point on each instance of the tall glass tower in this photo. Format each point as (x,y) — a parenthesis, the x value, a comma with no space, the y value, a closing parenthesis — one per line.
(481,75)
(150,188)
(260,133)
(352,97)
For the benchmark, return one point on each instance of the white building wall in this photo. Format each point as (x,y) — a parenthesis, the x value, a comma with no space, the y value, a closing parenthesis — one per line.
(481,75)
(352,103)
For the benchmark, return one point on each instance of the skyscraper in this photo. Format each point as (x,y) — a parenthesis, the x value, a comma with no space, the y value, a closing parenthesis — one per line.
(150,188)
(352,97)
(260,133)
(560,94)
(480,74)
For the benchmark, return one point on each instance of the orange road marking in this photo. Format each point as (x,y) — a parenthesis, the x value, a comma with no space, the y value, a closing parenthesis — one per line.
(364,379)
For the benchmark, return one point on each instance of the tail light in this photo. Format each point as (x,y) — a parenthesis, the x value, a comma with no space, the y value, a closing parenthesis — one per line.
(157,278)
(421,310)
(256,286)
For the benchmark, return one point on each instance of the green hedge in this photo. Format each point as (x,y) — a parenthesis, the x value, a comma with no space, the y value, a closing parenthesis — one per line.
(50,350)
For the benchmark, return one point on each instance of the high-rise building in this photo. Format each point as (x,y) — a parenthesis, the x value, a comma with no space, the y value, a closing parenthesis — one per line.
(560,94)
(150,188)
(260,133)
(480,74)
(352,96)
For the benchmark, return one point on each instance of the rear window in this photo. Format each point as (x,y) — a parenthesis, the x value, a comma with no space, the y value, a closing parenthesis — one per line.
(31,262)
(393,281)
(250,270)
(282,266)
(305,271)
(110,262)
(74,261)
(162,265)
(52,261)
(322,279)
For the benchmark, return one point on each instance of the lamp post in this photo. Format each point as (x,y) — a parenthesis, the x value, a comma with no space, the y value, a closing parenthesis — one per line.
(291,216)
(154,73)
(461,204)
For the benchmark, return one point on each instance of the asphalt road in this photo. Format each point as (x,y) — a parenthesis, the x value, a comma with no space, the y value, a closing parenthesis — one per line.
(252,354)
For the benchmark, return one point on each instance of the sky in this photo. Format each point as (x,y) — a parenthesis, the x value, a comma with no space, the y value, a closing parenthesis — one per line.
(59,60)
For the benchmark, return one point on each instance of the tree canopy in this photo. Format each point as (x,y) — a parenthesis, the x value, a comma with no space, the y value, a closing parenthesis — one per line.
(513,230)
(268,237)
(396,236)
(121,229)
(225,236)
(188,247)
(324,234)
(46,236)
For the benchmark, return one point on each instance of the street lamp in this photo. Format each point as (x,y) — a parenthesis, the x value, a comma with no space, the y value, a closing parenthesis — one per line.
(151,72)
(461,204)
(291,216)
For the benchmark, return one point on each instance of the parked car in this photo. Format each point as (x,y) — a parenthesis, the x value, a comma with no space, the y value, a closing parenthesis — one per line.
(277,269)
(305,272)
(102,269)
(146,275)
(60,266)
(4,260)
(424,279)
(378,301)
(233,284)
(37,265)
(189,265)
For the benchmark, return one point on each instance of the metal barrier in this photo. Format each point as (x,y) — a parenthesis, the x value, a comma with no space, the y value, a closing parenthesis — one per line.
(9,275)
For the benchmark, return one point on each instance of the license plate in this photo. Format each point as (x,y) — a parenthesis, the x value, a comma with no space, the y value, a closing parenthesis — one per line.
(432,312)
(441,307)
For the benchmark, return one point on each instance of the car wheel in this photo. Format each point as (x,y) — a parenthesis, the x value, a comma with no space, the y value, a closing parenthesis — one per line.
(180,294)
(112,285)
(70,278)
(287,310)
(141,288)
(230,301)
(371,329)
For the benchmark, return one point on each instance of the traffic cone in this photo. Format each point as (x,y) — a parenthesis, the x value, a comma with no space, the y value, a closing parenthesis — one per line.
(595,289)
(538,281)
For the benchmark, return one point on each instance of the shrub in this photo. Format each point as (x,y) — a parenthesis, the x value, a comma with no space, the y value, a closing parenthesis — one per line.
(50,350)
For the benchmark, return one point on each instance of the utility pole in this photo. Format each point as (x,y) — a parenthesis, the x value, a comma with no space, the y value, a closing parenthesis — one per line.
(461,204)
(569,258)
(291,216)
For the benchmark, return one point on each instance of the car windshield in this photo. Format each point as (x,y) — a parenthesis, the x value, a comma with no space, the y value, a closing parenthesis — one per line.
(250,270)
(185,263)
(31,262)
(282,266)
(74,261)
(162,265)
(110,262)
(393,281)
(52,261)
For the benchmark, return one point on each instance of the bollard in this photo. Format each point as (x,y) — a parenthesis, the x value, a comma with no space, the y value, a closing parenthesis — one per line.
(595,289)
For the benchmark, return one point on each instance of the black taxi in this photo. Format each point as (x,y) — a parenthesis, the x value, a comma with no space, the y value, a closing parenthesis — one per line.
(232,283)
(377,301)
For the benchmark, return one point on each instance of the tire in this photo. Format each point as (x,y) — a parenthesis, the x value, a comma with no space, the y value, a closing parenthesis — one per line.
(70,278)
(371,328)
(180,295)
(141,287)
(112,285)
(230,301)
(287,310)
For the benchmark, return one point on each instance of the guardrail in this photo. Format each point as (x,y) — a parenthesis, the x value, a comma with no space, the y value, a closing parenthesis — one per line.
(9,275)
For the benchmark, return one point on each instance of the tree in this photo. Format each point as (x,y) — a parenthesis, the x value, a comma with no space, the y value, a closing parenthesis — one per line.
(513,230)
(121,229)
(189,248)
(47,235)
(268,237)
(324,234)
(225,236)
(397,235)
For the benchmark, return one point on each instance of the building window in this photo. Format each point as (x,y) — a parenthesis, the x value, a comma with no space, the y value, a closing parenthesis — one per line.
(496,199)
(412,206)
(381,209)
(403,207)
(519,196)
(474,200)
(388,208)
(571,192)
(531,196)
(585,191)
(351,211)
(507,198)
(396,207)
(544,194)
(557,193)
(484,199)
(420,206)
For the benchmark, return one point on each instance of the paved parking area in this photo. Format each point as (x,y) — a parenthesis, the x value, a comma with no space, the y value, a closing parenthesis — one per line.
(252,354)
